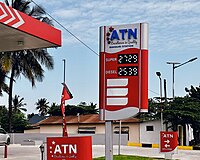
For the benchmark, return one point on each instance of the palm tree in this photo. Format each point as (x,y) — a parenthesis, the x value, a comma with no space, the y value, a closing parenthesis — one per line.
(18,104)
(42,106)
(26,62)
(3,85)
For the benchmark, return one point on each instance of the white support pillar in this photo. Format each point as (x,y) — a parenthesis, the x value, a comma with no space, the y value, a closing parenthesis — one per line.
(109,140)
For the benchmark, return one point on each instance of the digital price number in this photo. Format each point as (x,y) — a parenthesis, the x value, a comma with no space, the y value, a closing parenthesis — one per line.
(127,58)
(128,71)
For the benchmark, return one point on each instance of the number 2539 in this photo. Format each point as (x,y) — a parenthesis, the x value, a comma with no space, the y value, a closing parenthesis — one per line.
(128,71)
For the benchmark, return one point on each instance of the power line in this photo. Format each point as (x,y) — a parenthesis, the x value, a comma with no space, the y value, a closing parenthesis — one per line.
(68,31)
(153,92)
(76,36)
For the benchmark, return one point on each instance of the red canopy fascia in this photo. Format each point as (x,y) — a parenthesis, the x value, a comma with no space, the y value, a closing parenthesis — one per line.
(19,31)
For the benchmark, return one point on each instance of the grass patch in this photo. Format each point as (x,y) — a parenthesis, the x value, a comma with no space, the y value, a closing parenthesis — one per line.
(127,157)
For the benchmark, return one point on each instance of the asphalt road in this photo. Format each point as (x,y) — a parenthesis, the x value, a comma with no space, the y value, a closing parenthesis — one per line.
(18,152)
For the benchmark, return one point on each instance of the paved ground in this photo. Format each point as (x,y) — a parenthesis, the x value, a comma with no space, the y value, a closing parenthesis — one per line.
(18,152)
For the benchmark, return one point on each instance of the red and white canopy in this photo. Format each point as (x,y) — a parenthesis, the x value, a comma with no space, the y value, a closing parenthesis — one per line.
(19,31)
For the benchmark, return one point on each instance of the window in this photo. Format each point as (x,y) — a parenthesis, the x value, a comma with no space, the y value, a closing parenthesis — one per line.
(124,130)
(149,128)
(86,130)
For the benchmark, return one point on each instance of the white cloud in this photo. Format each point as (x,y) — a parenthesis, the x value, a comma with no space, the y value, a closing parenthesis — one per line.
(170,20)
(67,14)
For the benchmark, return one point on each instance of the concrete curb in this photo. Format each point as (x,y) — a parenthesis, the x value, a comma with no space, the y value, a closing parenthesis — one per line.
(157,146)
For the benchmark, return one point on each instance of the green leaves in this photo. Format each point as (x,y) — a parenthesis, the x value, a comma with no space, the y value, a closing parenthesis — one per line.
(42,105)
(81,108)
(182,110)
(18,104)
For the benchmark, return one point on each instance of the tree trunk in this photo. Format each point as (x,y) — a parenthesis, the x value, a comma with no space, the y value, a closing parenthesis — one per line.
(10,101)
(174,127)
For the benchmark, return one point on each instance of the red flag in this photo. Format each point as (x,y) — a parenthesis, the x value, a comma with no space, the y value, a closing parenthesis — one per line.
(66,94)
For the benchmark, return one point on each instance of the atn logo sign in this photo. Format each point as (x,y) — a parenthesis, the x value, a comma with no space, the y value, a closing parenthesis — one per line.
(120,37)
(69,148)
(122,34)
(63,150)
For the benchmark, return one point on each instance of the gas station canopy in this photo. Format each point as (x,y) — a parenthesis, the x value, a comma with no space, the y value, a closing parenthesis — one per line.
(19,31)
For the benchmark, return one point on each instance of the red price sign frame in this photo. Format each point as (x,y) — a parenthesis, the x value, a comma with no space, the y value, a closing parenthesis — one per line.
(123,80)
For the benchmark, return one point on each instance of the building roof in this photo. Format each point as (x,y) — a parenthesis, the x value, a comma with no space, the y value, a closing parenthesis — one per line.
(84,119)
(36,118)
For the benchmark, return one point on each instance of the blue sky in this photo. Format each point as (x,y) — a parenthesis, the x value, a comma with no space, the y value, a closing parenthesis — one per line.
(174,35)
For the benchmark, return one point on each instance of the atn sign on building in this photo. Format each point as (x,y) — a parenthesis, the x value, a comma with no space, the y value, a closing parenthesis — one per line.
(123,71)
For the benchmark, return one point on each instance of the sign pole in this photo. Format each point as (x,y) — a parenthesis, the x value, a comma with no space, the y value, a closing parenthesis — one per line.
(120,130)
(168,155)
(109,140)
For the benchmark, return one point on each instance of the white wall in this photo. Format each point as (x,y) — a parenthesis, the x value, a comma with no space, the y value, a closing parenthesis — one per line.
(32,130)
(56,129)
(100,129)
(150,137)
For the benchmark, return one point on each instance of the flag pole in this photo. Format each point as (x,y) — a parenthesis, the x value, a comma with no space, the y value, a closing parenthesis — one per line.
(64,118)
(64,71)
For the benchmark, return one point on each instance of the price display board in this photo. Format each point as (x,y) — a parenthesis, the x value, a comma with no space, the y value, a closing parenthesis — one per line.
(123,71)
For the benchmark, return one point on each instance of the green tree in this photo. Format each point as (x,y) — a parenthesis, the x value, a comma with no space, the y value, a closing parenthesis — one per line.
(182,111)
(178,111)
(4,117)
(55,110)
(194,93)
(42,105)
(154,108)
(18,104)
(26,62)
(90,108)
(3,85)
(73,110)
(81,108)
(19,122)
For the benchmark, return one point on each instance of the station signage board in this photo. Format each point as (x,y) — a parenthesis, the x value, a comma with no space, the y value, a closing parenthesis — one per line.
(69,148)
(168,141)
(123,71)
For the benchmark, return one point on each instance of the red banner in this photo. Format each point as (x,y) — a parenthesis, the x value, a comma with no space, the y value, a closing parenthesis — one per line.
(69,148)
